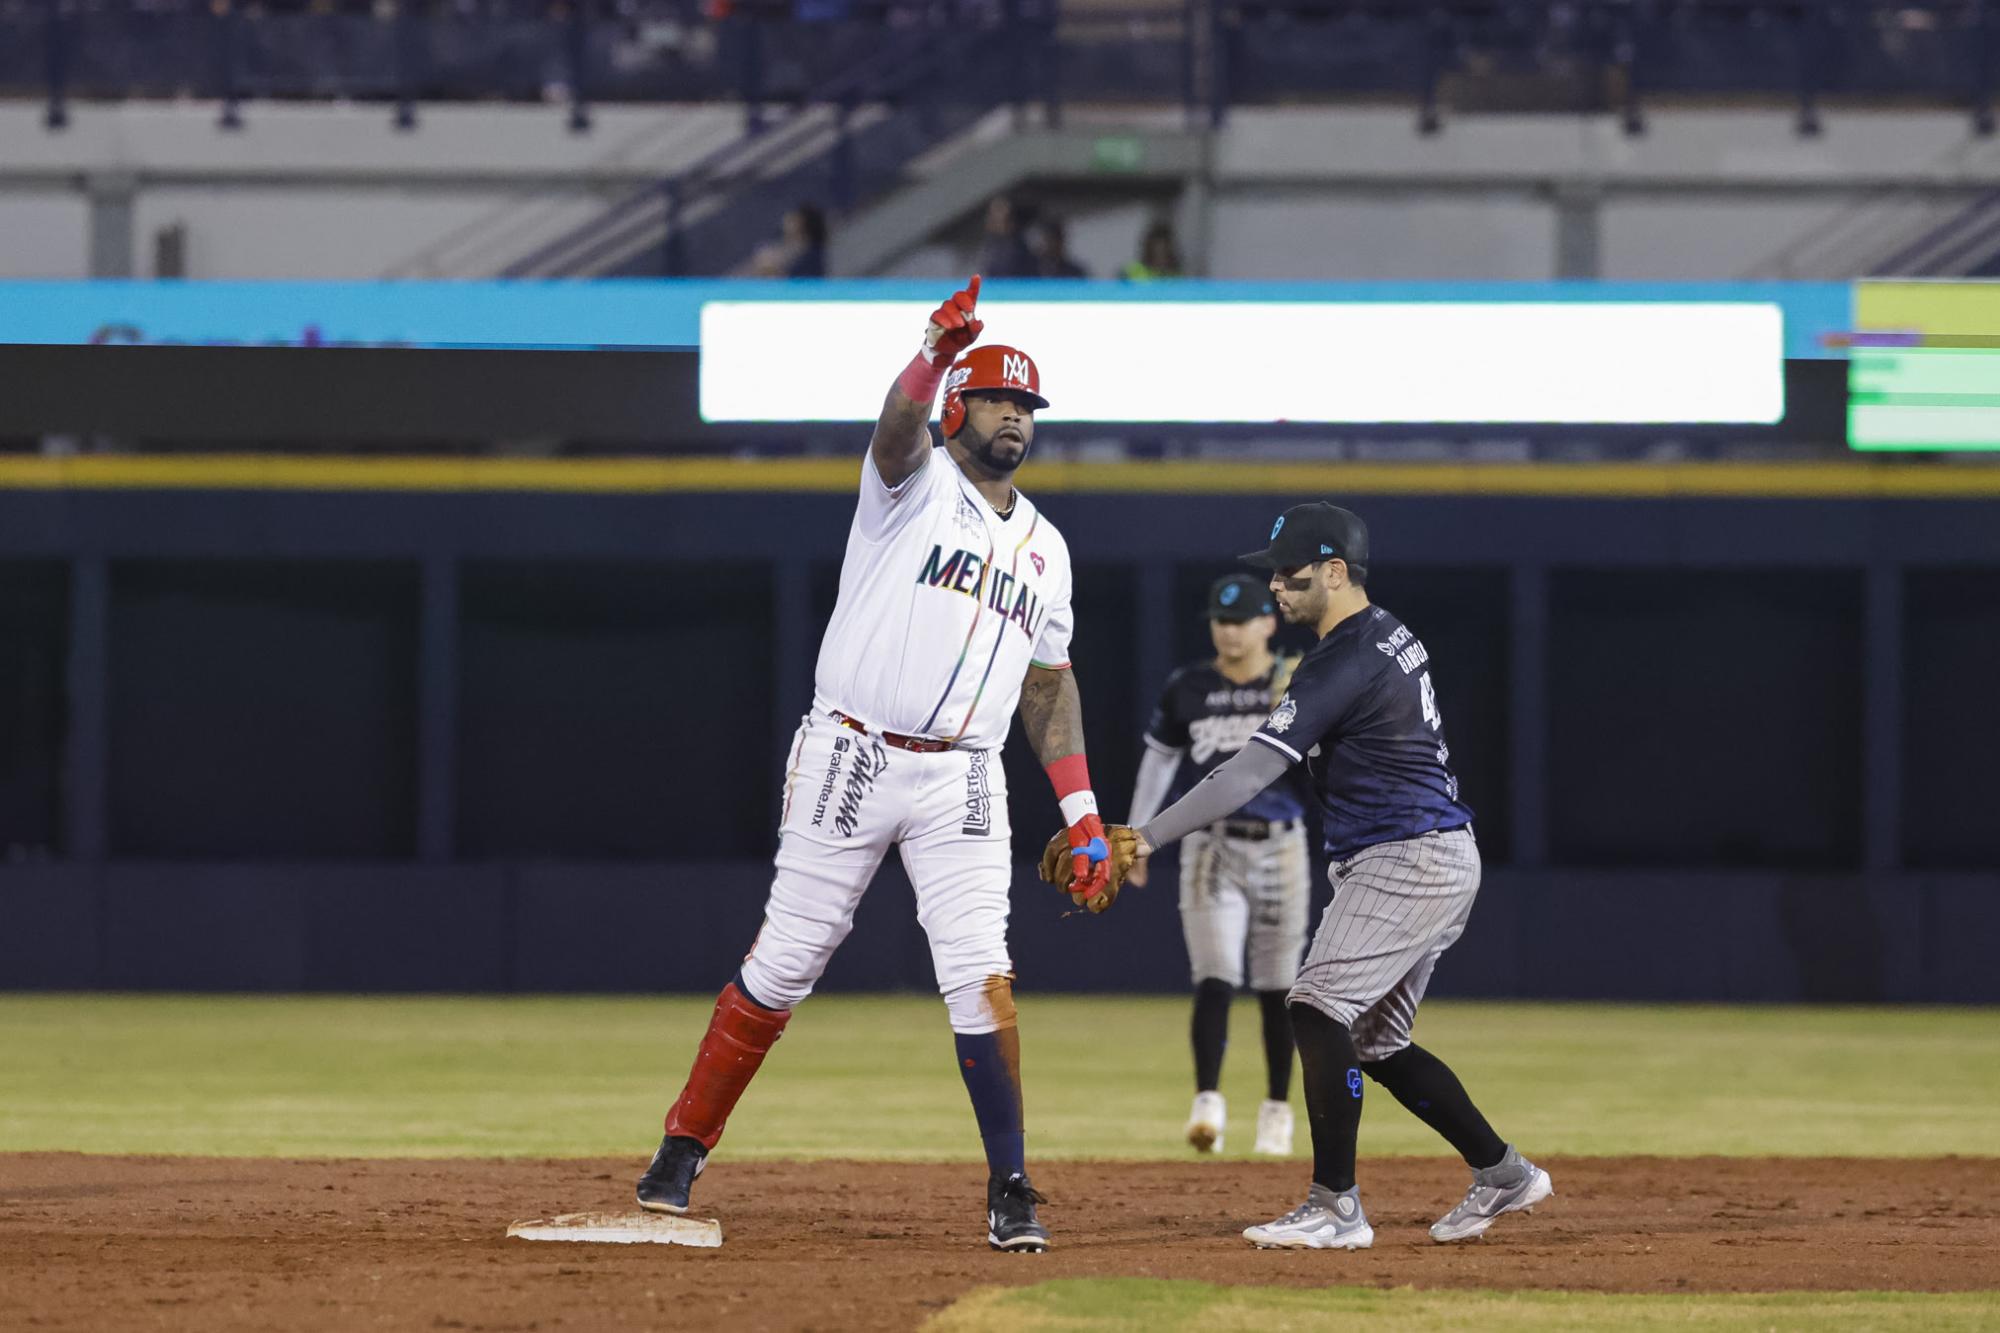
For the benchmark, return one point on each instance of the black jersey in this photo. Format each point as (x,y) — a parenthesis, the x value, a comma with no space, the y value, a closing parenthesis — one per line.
(1211,717)
(1363,715)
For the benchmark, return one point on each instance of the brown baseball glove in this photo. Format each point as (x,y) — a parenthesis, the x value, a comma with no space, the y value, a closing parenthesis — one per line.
(1059,864)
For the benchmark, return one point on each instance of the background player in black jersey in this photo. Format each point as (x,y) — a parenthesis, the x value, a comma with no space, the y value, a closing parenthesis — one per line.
(1245,881)
(1362,715)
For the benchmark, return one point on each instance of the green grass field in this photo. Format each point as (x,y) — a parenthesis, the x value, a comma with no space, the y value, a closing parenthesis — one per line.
(1106,1077)
(1131,1305)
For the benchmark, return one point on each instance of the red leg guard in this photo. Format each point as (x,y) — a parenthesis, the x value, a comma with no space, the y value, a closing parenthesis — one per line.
(739,1036)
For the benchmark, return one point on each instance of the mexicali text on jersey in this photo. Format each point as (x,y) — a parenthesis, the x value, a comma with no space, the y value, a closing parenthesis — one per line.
(943,605)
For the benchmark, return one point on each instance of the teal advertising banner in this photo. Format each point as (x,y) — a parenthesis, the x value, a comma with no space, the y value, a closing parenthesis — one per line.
(666,313)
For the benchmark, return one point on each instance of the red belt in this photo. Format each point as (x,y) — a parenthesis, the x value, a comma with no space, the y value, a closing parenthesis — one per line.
(920,744)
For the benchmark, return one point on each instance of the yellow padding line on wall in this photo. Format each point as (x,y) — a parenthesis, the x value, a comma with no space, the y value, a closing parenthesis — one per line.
(1858,479)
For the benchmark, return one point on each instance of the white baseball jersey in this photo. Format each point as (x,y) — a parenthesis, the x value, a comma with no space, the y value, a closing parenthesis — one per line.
(943,605)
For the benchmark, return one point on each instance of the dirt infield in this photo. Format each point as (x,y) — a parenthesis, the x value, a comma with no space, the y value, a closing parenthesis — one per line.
(98,1242)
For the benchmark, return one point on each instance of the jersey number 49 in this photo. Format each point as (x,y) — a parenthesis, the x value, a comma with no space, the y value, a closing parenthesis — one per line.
(1430,699)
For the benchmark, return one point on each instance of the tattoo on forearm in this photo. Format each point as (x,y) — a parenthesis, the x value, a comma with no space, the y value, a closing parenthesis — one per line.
(1052,713)
(902,433)
(901,415)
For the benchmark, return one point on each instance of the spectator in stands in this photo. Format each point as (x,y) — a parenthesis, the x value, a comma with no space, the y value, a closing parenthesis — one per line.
(799,251)
(1052,258)
(1004,253)
(1159,255)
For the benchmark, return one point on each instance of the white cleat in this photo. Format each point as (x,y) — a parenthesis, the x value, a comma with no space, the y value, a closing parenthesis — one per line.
(1512,1185)
(1274,1130)
(1206,1122)
(1325,1221)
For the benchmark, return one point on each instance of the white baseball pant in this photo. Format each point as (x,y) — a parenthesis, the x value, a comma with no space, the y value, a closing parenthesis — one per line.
(849,797)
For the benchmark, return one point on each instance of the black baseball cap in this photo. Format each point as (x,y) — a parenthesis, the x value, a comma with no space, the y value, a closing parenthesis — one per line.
(1239,597)
(1312,532)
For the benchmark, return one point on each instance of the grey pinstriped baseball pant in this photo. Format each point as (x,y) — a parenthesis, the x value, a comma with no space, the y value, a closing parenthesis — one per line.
(1396,908)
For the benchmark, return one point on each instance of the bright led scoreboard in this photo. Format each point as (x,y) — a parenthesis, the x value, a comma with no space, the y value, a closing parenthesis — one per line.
(1924,366)
(1246,362)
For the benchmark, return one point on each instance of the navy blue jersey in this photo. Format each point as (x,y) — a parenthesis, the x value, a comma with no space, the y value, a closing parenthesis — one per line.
(1210,717)
(1363,715)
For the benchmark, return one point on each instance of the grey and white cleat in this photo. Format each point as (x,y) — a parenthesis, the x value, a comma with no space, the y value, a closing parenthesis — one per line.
(1325,1221)
(1512,1185)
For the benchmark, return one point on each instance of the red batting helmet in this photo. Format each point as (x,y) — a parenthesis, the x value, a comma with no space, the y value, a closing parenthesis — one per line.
(996,368)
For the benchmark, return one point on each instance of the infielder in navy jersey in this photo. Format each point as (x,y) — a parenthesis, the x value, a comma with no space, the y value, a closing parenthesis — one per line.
(1361,715)
(1246,881)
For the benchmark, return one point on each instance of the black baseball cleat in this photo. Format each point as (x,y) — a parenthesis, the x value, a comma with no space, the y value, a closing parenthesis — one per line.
(665,1186)
(1010,1215)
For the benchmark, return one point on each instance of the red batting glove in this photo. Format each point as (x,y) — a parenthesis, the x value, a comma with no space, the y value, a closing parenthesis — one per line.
(1090,874)
(953,328)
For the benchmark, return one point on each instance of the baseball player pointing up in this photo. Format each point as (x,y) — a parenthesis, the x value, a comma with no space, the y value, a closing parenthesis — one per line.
(1362,716)
(954,610)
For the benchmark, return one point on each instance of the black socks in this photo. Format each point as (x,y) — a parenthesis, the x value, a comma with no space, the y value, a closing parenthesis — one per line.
(1210,1032)
(1419,1080)
(1277,1045)
(1425,1084)
(1331,1075)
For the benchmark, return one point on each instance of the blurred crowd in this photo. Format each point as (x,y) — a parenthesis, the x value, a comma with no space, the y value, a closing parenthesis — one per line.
(1018,240)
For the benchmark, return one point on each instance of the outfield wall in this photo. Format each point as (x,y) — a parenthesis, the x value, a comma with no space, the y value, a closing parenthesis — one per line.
(683,926)
(1729,729)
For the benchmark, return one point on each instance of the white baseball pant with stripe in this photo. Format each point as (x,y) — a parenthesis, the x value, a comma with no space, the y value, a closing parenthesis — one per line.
(849,798)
